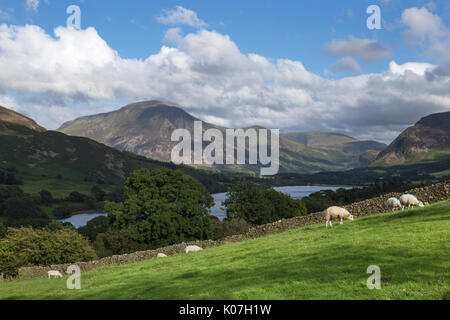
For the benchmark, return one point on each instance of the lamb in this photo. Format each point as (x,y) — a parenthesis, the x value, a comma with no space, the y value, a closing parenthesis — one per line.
(192,249)
(410,201)
(161,255)
(393,203)
(54,273)
(337,212)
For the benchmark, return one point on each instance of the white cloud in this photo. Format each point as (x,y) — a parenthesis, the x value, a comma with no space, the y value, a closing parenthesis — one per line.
(181,16)
(173,35)
(366,49)
(427,30)
(206,74)
(346,64)
(32,5)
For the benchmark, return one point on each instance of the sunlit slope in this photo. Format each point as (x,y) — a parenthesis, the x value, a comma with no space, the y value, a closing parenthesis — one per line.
(410,247)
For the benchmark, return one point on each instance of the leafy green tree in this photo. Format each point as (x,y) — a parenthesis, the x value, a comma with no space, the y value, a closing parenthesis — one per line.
(247,201)
(46,197)
(98,193)
(23,212)
(75,196)
(162,207)
(29,247)
(7,192)
(260,204)
(94,227)
(2,230)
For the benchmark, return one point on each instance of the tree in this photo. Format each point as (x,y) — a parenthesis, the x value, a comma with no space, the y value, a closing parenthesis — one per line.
(29,247)
(94,227)
(75,196)
(162,207)
(46,197)
(23,212)
(260,204)
(98,193)
(2,230)
(247,201)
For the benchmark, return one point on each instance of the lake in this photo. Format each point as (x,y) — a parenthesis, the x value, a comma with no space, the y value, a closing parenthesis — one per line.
(296,192)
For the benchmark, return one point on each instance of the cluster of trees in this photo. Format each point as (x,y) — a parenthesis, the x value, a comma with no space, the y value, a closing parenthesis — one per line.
(258,204)
(27,247)
(18,208)
(9,176)
(156,208)
(77,201)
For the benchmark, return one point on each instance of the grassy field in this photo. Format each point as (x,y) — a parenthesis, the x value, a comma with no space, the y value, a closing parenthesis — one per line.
(410,247)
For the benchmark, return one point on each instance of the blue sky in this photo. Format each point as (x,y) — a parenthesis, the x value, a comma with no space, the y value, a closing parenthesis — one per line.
(312,51)
(295,30)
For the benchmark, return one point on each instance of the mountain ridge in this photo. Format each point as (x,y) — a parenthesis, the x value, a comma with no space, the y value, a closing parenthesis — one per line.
(427,139)
(145,128)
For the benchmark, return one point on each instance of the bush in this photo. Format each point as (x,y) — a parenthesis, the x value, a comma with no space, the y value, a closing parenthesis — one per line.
(29,247)
(260,204)
(162,207)
(226,228)
(113,242)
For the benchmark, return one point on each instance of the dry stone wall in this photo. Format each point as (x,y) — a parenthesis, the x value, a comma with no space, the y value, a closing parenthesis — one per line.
(430,194)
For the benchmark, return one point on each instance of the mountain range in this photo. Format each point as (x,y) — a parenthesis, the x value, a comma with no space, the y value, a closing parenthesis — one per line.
(63,163)
(427,140)
(145,128)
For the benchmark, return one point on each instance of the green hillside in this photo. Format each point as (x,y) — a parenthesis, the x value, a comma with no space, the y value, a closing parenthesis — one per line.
(61,164)
(410,247)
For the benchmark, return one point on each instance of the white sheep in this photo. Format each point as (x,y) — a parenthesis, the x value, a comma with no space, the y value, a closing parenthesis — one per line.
(54,273)
(393,203)
(192,249)
(337,212)
(161,255)
(410,200)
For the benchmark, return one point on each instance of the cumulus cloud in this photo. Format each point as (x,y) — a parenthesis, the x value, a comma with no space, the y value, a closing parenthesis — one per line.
(346,64)
(427,29)
(365,49)
(173,35)
(181,16)
(32,5)
(206,74)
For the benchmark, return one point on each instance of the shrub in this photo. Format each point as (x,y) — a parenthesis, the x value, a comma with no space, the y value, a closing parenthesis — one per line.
(113,242)
(226,228)
(29,247)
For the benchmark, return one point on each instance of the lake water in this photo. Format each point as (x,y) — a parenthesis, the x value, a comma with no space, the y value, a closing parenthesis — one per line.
(296,192)
(80,220)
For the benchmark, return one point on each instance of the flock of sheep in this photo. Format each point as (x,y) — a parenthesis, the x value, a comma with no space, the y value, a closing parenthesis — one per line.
(405,201)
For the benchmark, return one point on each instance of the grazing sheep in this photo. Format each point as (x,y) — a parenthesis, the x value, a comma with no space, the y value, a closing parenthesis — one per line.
(393,203)
(54,273)
(410,201)
(192,249)
(337,212)
(161,255)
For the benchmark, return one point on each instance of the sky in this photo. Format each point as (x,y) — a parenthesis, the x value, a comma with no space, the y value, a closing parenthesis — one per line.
(288,65)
